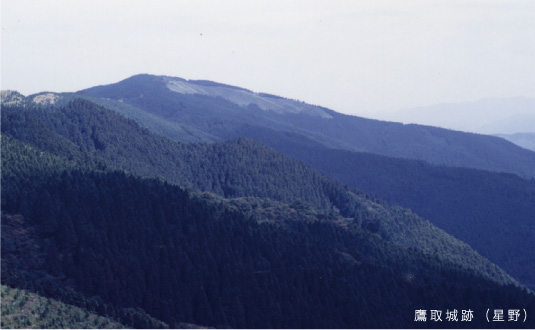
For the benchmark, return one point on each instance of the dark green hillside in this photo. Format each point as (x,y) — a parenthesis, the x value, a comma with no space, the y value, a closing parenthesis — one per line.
(183,257)
(219,117)
(91,134)
(431,144)
(493,212)
(230,169)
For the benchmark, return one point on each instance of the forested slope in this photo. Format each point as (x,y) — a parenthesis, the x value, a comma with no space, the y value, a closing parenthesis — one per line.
(493,212)
(88,134)
(131,243)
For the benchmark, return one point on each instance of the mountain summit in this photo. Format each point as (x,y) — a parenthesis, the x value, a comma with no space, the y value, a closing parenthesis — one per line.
(243,97)
(208,111)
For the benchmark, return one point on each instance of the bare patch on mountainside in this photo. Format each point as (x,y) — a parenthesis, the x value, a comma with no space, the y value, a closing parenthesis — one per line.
(46,99)
(245,98)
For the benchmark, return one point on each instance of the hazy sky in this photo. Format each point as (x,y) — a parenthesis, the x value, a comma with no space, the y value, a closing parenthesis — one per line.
(352,56)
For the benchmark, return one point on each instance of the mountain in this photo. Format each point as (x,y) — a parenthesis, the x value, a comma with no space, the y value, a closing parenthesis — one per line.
(496,208)
(109,216)
(524,140)
(499,210)
(90,135)
(486,116)
(120,244)
(9,97)
(218,111)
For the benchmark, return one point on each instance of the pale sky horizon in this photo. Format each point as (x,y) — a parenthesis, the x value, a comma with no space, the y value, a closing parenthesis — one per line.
(355,57)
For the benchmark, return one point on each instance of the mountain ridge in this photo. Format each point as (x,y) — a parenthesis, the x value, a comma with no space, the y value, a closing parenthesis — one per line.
(210,115)
(206,118)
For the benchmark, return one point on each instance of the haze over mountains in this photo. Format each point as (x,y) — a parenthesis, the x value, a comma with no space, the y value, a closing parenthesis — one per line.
(485,116)
(182,219)
(504,117)
(525,140)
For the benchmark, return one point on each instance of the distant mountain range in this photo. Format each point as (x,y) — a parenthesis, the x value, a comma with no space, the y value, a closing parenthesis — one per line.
(525,140)
(156,201)
(485,116)
(510,118)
